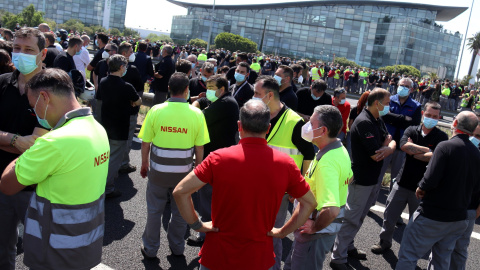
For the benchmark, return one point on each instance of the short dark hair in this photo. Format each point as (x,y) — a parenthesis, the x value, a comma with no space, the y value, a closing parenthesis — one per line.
(53,80)
(113,47)
(434,105)
(223,69)
(7,46)
(142,46)
(8,32)
(319,85)
(183,66)
(124,47)
(103,37)
(75,41)
(245,65)
(338,92)
(220,81)
(243,56)
(270,85)
(178,83)
(288,71)
(50,37)
(6,64)
(377,94)
(296,68)
(116,61)
(330,117)
(255,117)
(31,32)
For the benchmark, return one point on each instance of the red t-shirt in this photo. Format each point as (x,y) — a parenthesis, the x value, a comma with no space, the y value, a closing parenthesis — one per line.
(248,182)
(345,111)
(347,74)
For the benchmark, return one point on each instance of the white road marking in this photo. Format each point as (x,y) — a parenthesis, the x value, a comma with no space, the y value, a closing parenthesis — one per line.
(102,267)
(378,208)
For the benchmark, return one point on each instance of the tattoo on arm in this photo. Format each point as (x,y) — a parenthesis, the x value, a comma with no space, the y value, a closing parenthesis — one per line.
(413,149)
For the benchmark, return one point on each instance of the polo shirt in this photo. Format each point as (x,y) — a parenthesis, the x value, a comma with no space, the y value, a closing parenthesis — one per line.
(448,191)
(64,61)
(329,178)
(16,114)
(197,86)
(413,169)
(368,135)
(288,97)
(166,68)
(242,93)
(101,70)
(248,182)
(95,60)
(345,111)
(117,97)
(221,117)
(52,53)
(70,163)
(306,104)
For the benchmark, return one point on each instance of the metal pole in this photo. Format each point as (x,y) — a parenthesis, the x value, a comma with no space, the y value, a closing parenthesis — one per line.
(211,24)
(263,35)
(465,39)
(399,49)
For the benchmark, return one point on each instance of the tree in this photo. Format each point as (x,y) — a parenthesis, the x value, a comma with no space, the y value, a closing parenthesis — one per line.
(466,80)
(432,75)
(51,23)
(27,16)
(402,69)
(235,42)
(115,32)
(342,61)
(198,42)
(474,46)
(98,29)
(72,25)
(158,38)
(131,32)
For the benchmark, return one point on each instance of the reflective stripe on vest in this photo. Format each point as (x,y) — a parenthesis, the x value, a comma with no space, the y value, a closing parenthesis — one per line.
(337,74)
(280,138)
(59,236)
(166,160)
(465,101)
(315,75)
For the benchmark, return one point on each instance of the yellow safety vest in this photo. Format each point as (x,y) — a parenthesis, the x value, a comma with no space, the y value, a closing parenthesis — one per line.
(280,137)
(315,75)
(465,101)
(322,71)
(202,57)
(337,74)
(256,67)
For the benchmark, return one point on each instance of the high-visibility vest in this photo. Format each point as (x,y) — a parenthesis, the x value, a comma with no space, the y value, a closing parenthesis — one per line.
(280,138)
(337,74)
(465,101)
(322,71)
(256,67)
(202,57)
(315,75)
(363,76)
(446,92)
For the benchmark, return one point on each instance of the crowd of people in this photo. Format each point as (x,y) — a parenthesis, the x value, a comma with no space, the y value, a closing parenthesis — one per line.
(231,137)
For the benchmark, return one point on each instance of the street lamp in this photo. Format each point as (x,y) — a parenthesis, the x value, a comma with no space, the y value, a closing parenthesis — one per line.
(399,48)
(186,39)
(263,34)
(210,30)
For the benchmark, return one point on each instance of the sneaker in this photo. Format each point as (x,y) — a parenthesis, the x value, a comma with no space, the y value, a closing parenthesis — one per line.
(381,247)
(144,253)
(128,168)
(195,241)
(357,254)
(114,194)
(175,255)
(338,266)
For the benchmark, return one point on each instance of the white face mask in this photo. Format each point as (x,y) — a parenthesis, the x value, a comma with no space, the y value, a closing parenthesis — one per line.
(131,58)
(105,55)
(307,132)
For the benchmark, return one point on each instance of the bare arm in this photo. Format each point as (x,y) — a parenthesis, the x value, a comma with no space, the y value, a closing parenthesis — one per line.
(90,67)
(183,198)
(145,159)
(414,149)
(306,165)
(9,184)
(425,157)
(305,207)
(385,151)
(137,103)
(198,155)
(324,218)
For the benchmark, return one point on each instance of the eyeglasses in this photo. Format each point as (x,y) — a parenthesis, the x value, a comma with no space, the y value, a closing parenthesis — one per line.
(107,50)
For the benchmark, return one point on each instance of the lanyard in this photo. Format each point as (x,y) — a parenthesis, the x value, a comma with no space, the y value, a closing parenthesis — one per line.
(239,88)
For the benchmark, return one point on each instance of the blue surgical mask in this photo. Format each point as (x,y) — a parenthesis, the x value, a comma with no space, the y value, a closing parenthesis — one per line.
(125,72)
(59,39)
(25,63)
(193,66)
(239,77)
(77,53)
(43,122)
(96,42)
(402,91)
(314,97)
(215,70)
(211,95)
(204,79)
(429,123)
(278,79)
(386,109)
(342,101)
(475,141)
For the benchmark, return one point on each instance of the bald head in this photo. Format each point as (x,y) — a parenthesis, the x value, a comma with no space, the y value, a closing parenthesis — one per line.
(86,40)
(466,122)
(255,117)
(44,27)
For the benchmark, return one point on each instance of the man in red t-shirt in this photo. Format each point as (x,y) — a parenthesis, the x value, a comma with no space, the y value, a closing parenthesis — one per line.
(339,100)
(248,183)
(346,76)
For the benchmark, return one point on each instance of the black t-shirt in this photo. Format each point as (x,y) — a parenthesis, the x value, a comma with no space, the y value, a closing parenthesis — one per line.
(197,86)
(64,61)
(353,114)
(16,115)
(231,76)
(306,148)
(117,97)
(221,118)
(97,58)
(306,103)
(288,97)
(368,135)
(52,53)
(244,94)
(372,78)
(166,68)
(101,70)
(413,169)
(133,77)
(355,77)
(204,103)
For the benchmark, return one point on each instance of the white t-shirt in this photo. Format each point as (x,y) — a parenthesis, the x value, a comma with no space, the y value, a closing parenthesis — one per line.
(82,60)
(59,47)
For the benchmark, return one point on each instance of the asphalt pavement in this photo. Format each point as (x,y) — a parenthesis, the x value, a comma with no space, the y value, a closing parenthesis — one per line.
(126,217)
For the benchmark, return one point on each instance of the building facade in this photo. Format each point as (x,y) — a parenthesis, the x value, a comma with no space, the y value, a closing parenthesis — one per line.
(90,12)
(371,33)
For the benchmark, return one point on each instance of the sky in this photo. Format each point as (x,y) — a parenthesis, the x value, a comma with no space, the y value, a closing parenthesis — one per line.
(157,14)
